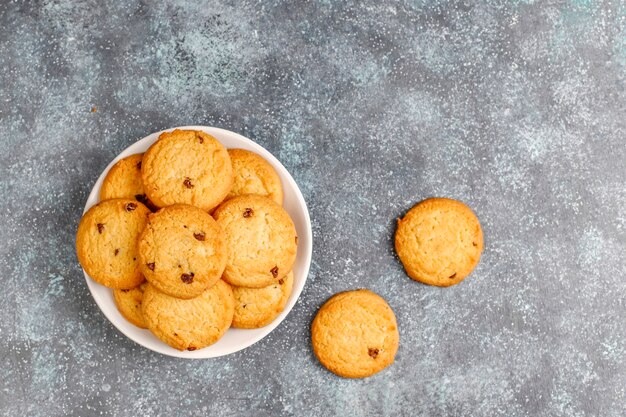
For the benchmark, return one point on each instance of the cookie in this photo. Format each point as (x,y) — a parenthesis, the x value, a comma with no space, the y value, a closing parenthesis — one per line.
(354,334)
(187,166)
(258,307)
(124,180)
(254,175)
(182,251)
(439,241)
(128,303)
(106,242)
(261,240)
(189,324)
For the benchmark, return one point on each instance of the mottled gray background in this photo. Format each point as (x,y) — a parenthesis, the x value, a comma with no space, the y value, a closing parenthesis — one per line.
(517,108)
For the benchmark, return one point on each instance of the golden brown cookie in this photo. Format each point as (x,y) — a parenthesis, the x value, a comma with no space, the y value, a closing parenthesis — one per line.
(258,307)
(254,175)
(189,324)
(124,180)
(439,241)
(355,334)
(260,240)
(106,242)
(128,302)
(187,166)
(182,251)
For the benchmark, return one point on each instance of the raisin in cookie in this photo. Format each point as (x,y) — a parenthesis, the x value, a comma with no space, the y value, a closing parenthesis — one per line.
(254,175)
(187,166)
(261,240)
(189,324)
(182,251)
(106,242)
(439,241)
(355,334)
(258,307)
(124,180)
(128,303)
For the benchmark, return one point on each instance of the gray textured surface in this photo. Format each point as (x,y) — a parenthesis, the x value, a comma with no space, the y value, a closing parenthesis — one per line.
(516,108)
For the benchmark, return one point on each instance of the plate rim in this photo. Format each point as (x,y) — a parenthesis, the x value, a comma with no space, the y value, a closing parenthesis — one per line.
(93,198)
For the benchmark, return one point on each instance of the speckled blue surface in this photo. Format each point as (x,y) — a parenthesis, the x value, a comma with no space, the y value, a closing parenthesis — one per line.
(515,107)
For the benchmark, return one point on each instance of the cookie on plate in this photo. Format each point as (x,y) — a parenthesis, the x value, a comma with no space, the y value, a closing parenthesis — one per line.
(258,307)
(106,242)
(439,241)
(187,166)
(354,334)
(124,180)
(189,324)
(260,240)
(254,175)
(182,251)
(128,302)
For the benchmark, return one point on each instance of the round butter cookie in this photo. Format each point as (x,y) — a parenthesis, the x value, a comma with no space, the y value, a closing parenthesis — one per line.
(189,324)
(254,175)
(182,251)
(354,334)
(258,307)
(260,240)
(106,242)
(124,180)
(187,166)
(439,241)
(128,302)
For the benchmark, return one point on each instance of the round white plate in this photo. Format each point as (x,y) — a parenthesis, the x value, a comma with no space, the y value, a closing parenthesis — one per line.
(234,339)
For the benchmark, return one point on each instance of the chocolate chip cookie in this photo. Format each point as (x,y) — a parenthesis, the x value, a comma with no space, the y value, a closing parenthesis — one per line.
(187,166)
(182,251)
(355,334)
(260,240)
(258,307)
(106,242)
(124,180)
(254,175)
(439,241)
(189,324)
(128,302)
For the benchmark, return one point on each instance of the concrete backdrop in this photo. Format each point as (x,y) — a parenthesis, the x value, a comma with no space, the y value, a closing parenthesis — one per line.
(515,107)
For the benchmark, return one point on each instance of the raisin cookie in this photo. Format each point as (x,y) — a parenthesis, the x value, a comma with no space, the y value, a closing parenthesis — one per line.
(261,240)
(254,175)
(128,303)
(439,241)
(182,251)
(354,334)
(187,166)
(189,324)
(124,180)
(258,307)
(106,242)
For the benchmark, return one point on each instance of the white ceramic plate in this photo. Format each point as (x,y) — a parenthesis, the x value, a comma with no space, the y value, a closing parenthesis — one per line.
(234,339)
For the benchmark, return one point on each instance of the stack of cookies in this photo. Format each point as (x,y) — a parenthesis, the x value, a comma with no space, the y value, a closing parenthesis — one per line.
(192,238)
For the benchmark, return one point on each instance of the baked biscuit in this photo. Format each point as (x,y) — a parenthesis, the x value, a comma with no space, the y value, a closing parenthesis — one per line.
(189,324)
(106,242)
(355,334)
(439,241)
(258,307)
(124,180)
(182,251)
(187,166)
(260,240)
(254,175)
(128,302)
